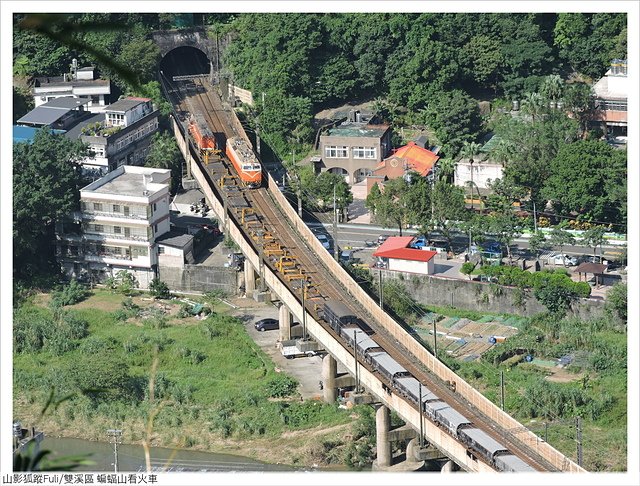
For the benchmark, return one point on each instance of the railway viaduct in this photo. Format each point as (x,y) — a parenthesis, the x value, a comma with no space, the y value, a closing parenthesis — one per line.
(376,391)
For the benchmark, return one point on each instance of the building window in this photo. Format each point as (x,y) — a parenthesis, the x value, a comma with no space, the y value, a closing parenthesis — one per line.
(126,210)
(98,228)
(154,206)
(117,230)
(95,99)
(364,152)
(138,252)
(116,208)
(334,152)
(127,232)
(161,250)
(155,229)
(97,206)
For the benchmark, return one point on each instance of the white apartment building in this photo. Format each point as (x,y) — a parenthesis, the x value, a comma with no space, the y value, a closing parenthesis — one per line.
(120,135)
(122,214)
(81,83)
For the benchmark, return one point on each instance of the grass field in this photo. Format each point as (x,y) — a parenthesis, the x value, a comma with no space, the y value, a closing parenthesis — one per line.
(214,388)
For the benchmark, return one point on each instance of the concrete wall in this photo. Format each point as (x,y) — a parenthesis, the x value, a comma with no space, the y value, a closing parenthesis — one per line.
(479,296)
(197,278)
(436,435)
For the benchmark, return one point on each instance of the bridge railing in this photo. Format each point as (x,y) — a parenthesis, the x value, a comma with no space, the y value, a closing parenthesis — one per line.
(484,405)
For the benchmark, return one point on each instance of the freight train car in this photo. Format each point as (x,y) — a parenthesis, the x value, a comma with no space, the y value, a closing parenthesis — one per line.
(245,162)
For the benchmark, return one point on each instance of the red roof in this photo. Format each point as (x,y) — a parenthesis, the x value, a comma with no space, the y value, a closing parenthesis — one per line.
(417,158)
(396,247)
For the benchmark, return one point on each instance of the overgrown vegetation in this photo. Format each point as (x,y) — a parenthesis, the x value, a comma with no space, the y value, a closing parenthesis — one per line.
(212,381)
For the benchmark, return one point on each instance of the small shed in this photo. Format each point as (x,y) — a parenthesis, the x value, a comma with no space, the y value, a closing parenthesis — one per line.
(597,269)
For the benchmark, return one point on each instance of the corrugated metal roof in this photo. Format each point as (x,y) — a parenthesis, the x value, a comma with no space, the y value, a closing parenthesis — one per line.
(396,247)
(387,362)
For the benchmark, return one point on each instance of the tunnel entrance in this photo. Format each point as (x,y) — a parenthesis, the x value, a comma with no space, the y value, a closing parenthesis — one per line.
(185,61)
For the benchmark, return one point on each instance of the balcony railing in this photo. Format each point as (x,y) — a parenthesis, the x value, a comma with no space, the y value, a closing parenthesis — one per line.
(114,236)
(96,257)
(88,213)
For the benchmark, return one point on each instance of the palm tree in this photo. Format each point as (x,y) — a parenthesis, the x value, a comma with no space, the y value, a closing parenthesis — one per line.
(446,169)
(502,152)
(552,88)
(469,151)
(534,104)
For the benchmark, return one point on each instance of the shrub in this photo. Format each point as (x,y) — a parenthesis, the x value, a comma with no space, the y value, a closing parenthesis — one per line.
(467,268)
(69,294)
(159,289)
(281,386)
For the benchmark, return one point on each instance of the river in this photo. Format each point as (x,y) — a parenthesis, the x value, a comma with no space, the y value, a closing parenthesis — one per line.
(131,458)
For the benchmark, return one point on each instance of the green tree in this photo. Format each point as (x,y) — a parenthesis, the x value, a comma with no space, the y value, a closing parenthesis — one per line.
(533,105)
(46,182)
(594,238)
(578,100)
(159,289)
(617,301)
(582,175)
(165,154)
(538,242)
(560,237)
(482,58)
(467,268)
(470,151)
(448,210)
(506,226)
(141,56)
(323,187)
(22,102)
(552,88)
(388,206)
(455,119)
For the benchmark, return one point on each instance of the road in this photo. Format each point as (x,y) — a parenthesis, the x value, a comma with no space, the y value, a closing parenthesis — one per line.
(357,236)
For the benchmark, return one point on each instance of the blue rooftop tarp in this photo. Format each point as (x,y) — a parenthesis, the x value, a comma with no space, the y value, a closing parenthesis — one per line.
(26,134)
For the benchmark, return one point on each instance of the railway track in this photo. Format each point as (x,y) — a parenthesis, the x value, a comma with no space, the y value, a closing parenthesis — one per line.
(267,219)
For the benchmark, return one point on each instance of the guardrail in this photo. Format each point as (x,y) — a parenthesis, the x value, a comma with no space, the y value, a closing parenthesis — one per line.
(402,337)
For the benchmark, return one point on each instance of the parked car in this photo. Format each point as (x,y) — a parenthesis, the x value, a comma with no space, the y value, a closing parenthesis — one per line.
(324,239)
(346,256)
(493,247)
(561,259)
(267,324)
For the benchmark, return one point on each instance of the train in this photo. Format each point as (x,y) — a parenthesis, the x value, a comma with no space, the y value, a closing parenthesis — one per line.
(358,335)
(244,161)
(201,134)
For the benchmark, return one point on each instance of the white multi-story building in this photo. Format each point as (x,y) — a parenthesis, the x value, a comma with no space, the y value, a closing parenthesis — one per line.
(122,214)
(121,135)
(611,92)
(81,83)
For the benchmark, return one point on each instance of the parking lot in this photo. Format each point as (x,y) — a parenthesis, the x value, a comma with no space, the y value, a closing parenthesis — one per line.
(307,370)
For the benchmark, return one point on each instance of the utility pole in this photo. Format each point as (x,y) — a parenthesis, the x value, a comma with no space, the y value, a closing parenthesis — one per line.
(380,287)
(116,435)
(502,390)
(304,312)
(355,357)
(420,409)
(435,339)
(535,219)
(579,439)
(335,227)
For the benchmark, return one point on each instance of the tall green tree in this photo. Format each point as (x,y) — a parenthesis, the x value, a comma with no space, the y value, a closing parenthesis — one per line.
(448,210)
(455,119)
(560,237)
(46,183)
(165,154)
(581,177)
(594,238)
(389,206)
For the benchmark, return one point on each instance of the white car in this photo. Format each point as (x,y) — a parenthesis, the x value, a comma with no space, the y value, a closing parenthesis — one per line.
(560,259)
(322,238)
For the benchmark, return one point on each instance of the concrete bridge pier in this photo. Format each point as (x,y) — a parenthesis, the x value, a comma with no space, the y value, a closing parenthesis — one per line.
(285,318)
(249,278)
(449,467)
(383,445)
(329,369)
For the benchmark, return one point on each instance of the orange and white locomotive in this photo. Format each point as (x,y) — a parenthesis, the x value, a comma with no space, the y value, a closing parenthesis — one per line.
(245,162)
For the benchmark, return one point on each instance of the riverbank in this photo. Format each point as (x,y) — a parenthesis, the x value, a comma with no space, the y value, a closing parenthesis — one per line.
(214,389)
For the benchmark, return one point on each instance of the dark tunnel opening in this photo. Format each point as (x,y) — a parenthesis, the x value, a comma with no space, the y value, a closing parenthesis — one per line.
(184,61)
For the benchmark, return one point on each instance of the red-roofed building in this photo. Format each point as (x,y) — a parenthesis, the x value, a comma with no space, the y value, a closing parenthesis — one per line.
(411,157)
(397,256)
